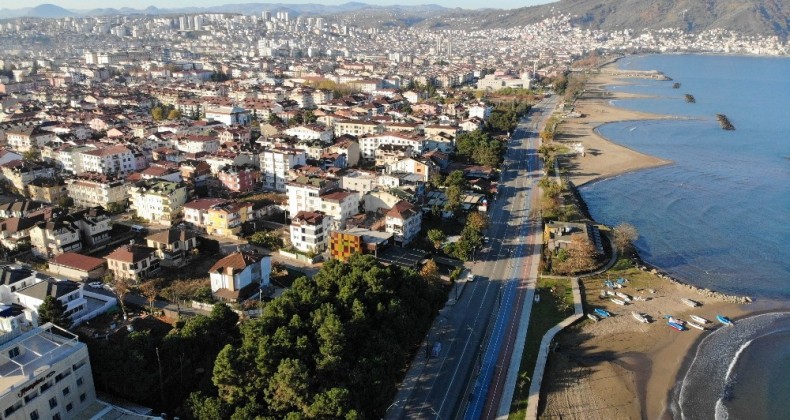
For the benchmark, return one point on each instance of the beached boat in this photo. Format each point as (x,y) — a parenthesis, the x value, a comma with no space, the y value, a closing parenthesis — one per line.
(639,317)
(695,325)
(623,296)
(689,302)
(609,293)
(602,313)
(724,320)
(676,326)
(699,319)
(617,301)
(593,317)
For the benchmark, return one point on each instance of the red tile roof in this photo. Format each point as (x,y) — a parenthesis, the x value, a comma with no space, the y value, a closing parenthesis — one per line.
(237,260)
(77,261)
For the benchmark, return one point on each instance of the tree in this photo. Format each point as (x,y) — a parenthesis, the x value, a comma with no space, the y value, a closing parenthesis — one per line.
(624,236)
(174,114)
(150,290)
(122,286)
(33,154)
(178,290)
(65,202)
(268,240)
(457,179)
(437,237)
(477,221)
(54,311)
(581,256)
(157,113)
(274,119)
(430,271)
(453,198)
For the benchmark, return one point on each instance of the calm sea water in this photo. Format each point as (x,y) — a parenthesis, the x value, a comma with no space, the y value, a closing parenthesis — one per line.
(718,217)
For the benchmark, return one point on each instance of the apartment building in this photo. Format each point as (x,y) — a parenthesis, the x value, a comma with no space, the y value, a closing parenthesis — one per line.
(93,189)
(310,231)
(275,164)
(112,160)
(133,262)
(158,201)
(404,220)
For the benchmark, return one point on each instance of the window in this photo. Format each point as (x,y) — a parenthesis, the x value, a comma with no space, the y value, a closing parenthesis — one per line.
(80,381)
(34,415)
(69,406)
(53,402)
(14,352)
(82,397)
(66,391)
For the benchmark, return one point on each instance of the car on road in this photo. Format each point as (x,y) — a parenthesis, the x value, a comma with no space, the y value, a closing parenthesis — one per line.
(470,277)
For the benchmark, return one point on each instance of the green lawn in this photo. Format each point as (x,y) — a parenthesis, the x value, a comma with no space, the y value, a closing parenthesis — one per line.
(545,314)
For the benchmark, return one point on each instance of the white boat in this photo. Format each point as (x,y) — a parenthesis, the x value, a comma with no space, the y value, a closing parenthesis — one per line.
(689,302)
(593,317)
(617,301)
(623,296)
(695,325)
(609,293)
(699,319)
(639,317)
(676,321)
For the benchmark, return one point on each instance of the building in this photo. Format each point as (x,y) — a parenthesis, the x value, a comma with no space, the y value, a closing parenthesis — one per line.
(404,220)
(310,132)
(340,205)
(304,193)
(310,231)
(360,181)
(54,237)
(356,128)
(227,219)
(133,262)
(228,115)
(174,247)
(239,275)
(77,266)
(239,179)
(158,201)
(196,211)
(21,139)
(275,164)
(68,292)
(345,243)
(114,160)
(558,235)
(92,189)
(21,173)
(46,374)
(369,144)
(48,190)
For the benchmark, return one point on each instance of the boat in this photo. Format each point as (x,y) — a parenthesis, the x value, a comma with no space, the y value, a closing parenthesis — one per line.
(689,302)
(724,320)
(602,313)
(699,319)
(639,317)
(593,317)
(623,296)
(609,293)
(695,325)
(618,301)
(676,326)
(676,321)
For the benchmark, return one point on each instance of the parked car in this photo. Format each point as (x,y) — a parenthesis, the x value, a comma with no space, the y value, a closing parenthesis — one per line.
(96,284)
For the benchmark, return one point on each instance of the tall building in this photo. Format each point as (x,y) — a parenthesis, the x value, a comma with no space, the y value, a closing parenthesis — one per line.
(267,15)
(45,373)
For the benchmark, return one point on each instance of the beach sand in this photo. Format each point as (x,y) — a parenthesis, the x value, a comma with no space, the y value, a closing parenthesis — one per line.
(618,368)
(602,158)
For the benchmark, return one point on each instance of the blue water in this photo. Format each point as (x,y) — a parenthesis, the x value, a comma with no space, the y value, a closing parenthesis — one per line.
(719,216)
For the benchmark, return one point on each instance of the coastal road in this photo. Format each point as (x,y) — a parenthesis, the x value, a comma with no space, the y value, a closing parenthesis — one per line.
(477,322)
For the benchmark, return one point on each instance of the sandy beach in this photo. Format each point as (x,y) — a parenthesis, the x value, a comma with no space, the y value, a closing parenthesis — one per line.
(618,368)
(602,158)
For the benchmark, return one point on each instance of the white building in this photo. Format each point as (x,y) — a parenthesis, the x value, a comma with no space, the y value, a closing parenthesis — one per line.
(310,132)
(68,292)
(369,144)
(404,220)
(339,205)
(275,164)
(310,231)
(228,115)
(304,193)
(158,201)
(113,160)
(239,275)
(359,181)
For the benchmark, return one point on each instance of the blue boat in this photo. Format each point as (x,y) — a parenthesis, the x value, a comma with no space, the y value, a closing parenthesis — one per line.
(724,320)
(676,326)
(602,313)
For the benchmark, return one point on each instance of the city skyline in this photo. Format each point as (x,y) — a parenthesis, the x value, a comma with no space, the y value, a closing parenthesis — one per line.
(174,4)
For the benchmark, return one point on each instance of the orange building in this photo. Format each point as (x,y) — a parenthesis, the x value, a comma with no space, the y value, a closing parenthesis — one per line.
(345,243)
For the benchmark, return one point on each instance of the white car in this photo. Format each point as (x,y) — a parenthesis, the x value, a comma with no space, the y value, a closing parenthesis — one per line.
(96,284)
(470,277)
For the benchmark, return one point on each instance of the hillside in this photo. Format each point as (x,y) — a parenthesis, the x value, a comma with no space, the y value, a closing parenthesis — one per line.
(765,17)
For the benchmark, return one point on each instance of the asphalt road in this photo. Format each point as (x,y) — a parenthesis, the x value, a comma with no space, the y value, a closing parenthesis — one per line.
(443,387)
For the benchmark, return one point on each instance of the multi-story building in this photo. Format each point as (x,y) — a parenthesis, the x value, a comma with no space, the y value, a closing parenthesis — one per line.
(112,160)
(356,127)
(48,190)
(348,147)
(46,374)
(304,193)
(239,275)
(359,181)
(345,243)
(227,219)
(93,189)
(310,132)
(239,179)
(158,201)
(228,115)
(310,231)
(339,205)
(369,144)
(133,262)
(404,220)
(196,211)
(55,237)
(174,247)
(424,168)
(20,173)
(198,144)
(275,164)
(22,139)
(68,292)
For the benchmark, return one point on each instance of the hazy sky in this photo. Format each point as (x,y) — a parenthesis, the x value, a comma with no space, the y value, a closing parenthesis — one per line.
(141,4)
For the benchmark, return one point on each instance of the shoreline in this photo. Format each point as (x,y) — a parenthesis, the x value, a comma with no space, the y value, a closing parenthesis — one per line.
(641,360)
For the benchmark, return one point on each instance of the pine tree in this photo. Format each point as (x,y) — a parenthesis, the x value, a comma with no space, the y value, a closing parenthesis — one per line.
(53,310)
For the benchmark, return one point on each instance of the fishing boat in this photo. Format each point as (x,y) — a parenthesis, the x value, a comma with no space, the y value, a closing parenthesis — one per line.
(602,313)
(695,325)
(689,302)
(623,296)
(639,317)
(724,320)
(676,326)
(671,318)
(609,293)
(699,319)
(618,301)
(593,317)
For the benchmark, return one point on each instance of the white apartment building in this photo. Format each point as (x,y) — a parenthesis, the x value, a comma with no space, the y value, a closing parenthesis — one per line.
(54,238)
(339,205)
(22,139)
(46,374)
(356,127)
(304,194)
(228,115)
(310,132)
(68,292)
(275,164)
(97,190)
(404,220)
(310,231)
(197,144)
(359,181)
(113,160)
(158,201)
(369,144)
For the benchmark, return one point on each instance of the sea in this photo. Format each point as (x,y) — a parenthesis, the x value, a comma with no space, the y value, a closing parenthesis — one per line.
(717,217)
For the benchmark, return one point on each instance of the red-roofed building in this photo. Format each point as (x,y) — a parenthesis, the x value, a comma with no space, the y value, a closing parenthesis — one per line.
(239,275)
(77,266)
(310,231)
(404,220)
(133,262)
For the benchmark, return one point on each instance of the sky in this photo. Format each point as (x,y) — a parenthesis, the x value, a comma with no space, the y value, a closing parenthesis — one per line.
(142,4)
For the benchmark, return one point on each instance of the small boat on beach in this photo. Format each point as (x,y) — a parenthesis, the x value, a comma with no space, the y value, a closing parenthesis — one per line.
(609,293)
(639,317)
(618,301)
(593,317)
(676,326)
(695,325)
(623,296)
(689,302)
(602,313)
(699,319)
(724,320)
(672,319)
